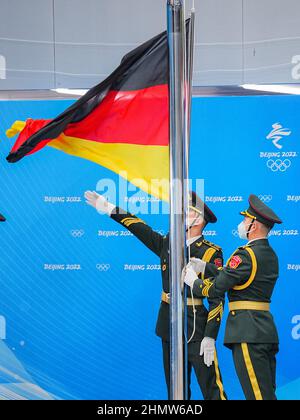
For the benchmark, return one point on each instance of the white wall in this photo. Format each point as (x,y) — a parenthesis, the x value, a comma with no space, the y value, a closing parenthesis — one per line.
(74,43)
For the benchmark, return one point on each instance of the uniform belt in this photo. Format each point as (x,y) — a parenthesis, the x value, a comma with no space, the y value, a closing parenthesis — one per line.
(250,305)
(165,297)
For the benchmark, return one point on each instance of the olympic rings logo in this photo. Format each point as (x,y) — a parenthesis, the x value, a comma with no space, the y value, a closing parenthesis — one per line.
(103,267)
(76,233)
(265,198)
(278,165)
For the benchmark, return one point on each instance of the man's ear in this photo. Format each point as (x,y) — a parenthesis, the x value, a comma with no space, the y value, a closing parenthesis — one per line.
(254,226)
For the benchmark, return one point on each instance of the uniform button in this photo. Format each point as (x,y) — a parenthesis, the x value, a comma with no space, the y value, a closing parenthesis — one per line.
(218,319)
(201,286)
(232,313)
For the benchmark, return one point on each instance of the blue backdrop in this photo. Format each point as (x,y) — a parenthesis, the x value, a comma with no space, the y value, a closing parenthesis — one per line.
(79,298)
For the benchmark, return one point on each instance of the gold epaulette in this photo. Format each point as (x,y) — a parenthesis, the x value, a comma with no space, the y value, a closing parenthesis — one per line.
(198,244)
(211,245)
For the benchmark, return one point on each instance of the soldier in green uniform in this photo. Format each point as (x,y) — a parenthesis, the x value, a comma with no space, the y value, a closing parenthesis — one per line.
(249,278)
(203,332)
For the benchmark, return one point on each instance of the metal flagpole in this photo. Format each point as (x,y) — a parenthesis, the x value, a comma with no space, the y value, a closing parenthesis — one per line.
(190,42)
(188,104)
(189,78)
(176,41)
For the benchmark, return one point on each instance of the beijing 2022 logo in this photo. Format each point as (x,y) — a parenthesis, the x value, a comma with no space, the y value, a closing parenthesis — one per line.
(278,160)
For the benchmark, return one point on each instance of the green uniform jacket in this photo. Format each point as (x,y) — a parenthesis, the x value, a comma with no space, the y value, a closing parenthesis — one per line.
(249,275)
(207,322)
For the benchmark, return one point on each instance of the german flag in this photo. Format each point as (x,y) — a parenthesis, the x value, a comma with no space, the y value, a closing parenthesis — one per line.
(122,123)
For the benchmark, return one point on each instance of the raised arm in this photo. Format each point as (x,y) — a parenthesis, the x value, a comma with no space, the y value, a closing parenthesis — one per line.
(153,240)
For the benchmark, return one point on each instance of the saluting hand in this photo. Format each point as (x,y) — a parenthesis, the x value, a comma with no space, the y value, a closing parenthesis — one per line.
(99,202)
(91,198)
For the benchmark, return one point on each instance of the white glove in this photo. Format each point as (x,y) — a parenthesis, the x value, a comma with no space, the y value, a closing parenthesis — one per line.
(207,349)
(190,275)
(99,202)
(198,265)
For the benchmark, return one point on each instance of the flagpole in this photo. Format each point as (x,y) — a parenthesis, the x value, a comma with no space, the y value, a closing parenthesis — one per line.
(189,77)
(190,41)
(176,41)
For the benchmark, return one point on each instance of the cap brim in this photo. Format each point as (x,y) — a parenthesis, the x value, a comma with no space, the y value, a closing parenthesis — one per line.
(209,216)
(263,211)
(195,209)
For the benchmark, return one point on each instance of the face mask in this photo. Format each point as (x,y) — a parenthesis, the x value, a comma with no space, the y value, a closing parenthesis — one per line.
(196,221)
(243,230)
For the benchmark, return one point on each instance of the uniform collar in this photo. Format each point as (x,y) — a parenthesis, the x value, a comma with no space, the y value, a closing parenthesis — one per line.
(257,239)
(190,241)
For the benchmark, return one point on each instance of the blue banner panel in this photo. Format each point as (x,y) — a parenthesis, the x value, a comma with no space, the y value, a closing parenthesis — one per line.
(79,295)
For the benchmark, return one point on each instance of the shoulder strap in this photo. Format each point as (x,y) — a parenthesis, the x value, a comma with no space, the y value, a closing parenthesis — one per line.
(212,245)
(253,271)
(208,254)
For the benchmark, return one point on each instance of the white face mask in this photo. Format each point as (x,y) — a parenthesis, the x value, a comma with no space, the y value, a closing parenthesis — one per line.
(243,230)
(194,221)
